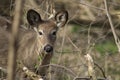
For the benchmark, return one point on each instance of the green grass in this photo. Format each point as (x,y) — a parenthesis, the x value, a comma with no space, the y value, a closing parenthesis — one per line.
(76,28)
(107,46)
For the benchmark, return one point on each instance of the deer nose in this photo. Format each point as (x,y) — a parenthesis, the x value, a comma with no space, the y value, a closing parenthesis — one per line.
(48,48)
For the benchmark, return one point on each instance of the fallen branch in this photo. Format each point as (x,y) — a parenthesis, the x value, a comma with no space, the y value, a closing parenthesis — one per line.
(90,65)
(28,72)
(31,74)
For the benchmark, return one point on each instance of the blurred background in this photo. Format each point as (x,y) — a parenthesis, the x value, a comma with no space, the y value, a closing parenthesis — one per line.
(87,32)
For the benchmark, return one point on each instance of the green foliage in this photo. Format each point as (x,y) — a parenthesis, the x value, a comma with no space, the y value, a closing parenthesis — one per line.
(39,59)
(107,46)
(76,28)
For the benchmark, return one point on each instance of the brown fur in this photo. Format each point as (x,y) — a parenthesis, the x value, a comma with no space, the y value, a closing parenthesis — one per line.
(30,44)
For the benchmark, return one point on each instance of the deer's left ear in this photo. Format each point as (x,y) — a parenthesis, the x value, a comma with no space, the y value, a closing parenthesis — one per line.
(33,17)
(61,18)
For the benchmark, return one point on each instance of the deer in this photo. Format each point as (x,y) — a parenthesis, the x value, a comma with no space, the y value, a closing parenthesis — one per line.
(36,41)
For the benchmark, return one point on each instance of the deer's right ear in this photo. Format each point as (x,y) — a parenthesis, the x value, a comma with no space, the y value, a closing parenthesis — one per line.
(61,18)
(33,17)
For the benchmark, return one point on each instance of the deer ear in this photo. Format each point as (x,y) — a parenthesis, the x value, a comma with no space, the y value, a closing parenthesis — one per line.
(33,17)
(61,18)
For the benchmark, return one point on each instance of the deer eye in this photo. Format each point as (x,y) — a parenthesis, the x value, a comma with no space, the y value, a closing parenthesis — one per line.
(54,32)
(40,32)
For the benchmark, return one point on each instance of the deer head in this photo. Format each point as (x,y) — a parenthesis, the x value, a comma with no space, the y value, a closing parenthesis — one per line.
(46,29)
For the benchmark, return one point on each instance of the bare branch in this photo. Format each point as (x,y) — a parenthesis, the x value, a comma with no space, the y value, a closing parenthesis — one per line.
(117,41)
(90,65)
(28,72)
(103,73)
(12,51)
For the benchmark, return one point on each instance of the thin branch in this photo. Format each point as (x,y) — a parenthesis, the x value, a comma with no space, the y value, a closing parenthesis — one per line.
(12,50)
(90,64)
(103,73)
(28,72)
(82,78)
(31,74)
(61,67)
(94,7)
(117,41)
(87,78)
(91,6)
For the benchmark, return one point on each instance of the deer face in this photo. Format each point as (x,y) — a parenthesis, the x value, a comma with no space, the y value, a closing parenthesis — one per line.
(46,29)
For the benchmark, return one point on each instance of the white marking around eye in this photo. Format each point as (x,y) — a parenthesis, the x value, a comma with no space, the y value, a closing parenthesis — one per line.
(38,31)
(35,29)
(41,32)
(54,31)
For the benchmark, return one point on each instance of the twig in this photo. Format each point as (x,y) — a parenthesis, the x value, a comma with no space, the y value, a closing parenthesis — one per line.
(28,72)
(72,51)
(3,70)
(117,41)
(31,74)
(82,78)
(94,7)
(12,50)
(90,65)
(87,78)
(103,73)
(91,6)
(61,67)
